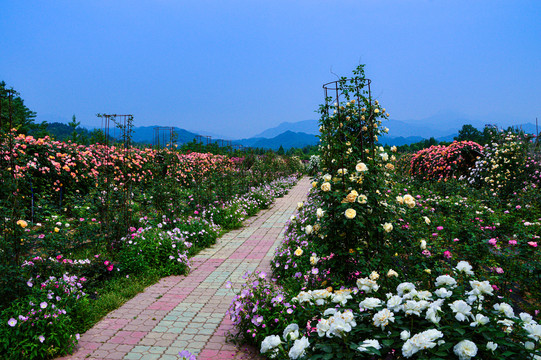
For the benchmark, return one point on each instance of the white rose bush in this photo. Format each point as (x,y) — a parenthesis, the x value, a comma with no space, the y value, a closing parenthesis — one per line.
(365,269)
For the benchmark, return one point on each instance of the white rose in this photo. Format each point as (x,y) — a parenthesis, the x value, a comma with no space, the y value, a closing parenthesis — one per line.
(270,342)
(465,350)
(291,332)
(369,343)
(298,348)
(370,303)
(394,303)
(465,267)
(382,318)
(461,309)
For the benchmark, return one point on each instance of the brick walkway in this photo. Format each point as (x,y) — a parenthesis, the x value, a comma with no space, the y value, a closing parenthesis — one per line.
(188,312)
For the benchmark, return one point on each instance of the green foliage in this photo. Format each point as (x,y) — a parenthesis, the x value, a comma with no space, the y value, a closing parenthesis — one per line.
(13,109)
(469,133)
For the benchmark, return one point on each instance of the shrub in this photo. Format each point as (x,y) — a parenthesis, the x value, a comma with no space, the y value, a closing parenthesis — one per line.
(440,162)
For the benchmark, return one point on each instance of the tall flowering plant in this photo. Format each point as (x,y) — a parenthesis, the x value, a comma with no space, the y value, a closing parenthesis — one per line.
(355,176)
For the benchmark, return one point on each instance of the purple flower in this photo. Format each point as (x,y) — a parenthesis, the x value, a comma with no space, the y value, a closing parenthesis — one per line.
(257,320)
(186,355)
(12,322)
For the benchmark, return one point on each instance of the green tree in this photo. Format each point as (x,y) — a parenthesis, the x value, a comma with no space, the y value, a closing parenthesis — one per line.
(74,124)
(469,133)
(22,118)
(281,150)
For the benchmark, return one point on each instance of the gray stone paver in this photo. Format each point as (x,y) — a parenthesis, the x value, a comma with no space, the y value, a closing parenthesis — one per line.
(188,312)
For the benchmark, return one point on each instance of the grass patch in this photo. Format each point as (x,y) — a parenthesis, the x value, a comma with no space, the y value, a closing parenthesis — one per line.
(113,295)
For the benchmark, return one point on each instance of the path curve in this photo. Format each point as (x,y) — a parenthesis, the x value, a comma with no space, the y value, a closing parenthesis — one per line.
(188,312)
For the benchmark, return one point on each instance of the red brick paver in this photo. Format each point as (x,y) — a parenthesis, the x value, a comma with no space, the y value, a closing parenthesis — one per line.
(188,312)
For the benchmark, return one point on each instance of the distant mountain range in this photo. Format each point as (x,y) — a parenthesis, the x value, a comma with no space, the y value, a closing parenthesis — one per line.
(305,126)
(443,126)
(287,140)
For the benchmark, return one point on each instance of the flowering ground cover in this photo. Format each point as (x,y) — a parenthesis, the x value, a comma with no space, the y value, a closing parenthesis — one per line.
(84,228)
(442,263)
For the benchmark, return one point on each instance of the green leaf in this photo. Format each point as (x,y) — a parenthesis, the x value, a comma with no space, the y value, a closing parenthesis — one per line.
(388,342)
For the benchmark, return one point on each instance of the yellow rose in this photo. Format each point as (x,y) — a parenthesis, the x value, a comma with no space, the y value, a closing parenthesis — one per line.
(350,213)
(427,220)
(314,184)
(326,186)
(352,196)
(56,229)
(409,200)
(388,227)
(22,223)
(400,200)
(389,166)
(374,276)
(361,167)
(298,252)
(392,273)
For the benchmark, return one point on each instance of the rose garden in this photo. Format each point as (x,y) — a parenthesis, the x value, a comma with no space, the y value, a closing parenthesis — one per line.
(392,255)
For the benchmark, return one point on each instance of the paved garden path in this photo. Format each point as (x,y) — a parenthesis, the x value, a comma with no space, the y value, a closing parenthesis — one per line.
(188,312)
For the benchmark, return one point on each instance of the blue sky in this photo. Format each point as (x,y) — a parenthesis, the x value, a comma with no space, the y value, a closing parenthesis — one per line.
(238,67)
